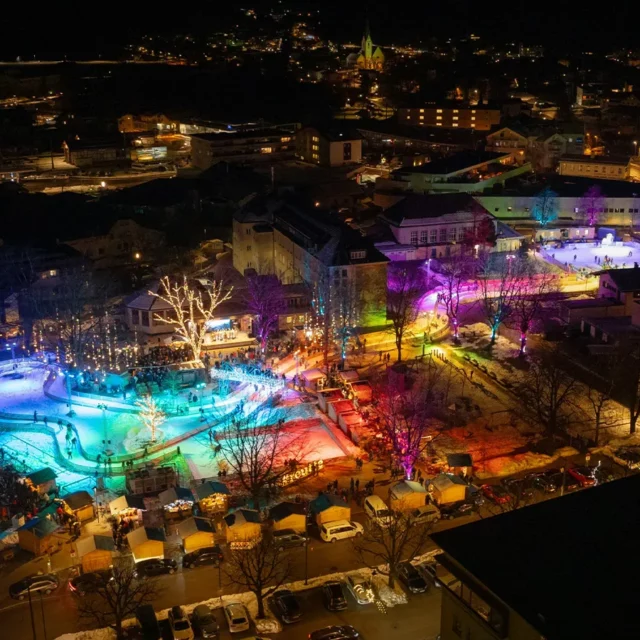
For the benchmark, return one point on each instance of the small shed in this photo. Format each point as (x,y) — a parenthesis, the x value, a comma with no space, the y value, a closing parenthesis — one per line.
(460,463)
(243,527)
(313,379)
(80,504)
(146,543)
(212,496)
(327,507)
(328,395)
(339,406)
(362,392)
(407,495)
(288,515)
(349,422)
(95,552)
(348,376)
(127,506)
(43,481)
(177,502)
(447,488)
(37,535)
(196,533)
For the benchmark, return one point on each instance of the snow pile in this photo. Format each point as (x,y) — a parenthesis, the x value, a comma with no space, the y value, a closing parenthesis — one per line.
(94,634)
(390,597)
(267,625)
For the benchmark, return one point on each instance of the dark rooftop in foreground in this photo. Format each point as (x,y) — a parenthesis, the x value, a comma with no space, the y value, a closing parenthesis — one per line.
(415,207)
(624,279)
(566,565)
(455,163)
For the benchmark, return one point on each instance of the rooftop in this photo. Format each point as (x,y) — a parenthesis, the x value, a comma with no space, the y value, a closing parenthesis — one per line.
(416,207)
(566,565)
(42,475)
(455,163)
(242,516)
(244,135)
(574,157)
(286,509)
(194,525)
(624,279)
(432,135)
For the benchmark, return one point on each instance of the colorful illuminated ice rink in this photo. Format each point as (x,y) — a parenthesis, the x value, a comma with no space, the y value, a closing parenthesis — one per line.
(590,256)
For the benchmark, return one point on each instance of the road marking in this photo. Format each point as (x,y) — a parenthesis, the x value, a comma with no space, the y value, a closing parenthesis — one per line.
(26,601)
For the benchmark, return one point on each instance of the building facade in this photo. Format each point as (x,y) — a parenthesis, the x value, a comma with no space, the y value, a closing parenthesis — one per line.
(478,117)
(328,148)
(602,167)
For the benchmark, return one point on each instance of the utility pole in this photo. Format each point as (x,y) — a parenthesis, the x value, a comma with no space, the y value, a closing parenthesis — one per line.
(33,622)
(44,624)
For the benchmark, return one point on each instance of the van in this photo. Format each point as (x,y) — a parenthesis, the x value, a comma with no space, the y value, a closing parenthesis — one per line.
(377,511)
(339,530)
(148,622)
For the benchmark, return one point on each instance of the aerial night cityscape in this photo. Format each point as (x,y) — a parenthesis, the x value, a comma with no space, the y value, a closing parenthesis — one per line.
(319,321)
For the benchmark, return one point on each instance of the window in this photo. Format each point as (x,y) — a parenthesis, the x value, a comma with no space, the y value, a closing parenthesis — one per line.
(315,147)
(423,237)
(285,139)
(575,209)
(145,318)
(135,316)
(289,319)
(408,117)
(421,117)
(455,111)
(473,111)
(346,151)
(454,124)
(438,117)
(438,110)
(473,124)
(438,124)
(497,209)
(443,235)
(433,236)
(455,117)
(414,238)
(315,139)
(452,234)
(473,117)
(315,156)
(358,255)
(266,150)
(421,110)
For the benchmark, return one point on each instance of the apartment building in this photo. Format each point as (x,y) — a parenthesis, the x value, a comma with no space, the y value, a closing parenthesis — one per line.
(603,167)
(455,116)
(328,147)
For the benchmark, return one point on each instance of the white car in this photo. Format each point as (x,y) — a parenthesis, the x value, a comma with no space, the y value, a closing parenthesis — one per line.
(237,617)
(180,626)
(360,588)
(340,530)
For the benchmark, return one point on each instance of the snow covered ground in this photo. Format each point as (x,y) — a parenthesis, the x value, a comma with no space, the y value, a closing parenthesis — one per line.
(583,255)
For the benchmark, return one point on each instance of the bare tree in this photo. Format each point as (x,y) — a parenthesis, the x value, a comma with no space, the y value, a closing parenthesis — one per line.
(453,275)
(548,393)
(261,569)
(534,287)
(190,309)
(257,447)
(116,600)
(265,302)
(592,204)
(385,544)
(601,405)
(406,288)
(500,285)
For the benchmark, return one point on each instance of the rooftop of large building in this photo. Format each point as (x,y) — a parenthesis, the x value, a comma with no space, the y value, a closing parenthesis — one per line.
(574,157)
(456,163)
(432,135)
(415,207)
(566,565)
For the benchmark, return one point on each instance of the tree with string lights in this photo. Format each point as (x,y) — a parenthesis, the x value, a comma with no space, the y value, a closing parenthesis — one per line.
(191,309)
(151,415)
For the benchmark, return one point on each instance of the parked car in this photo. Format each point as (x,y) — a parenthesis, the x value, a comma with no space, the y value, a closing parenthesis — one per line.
(37,583)
(411,578)
(518,488)
(456,510)
(287,538)
(378,512)
(333,595)
(429,571)
(360,588)
(206,555)
(237,617)
(155,567)
(543,482)
(584,475)
(286,606)
(180,626)
(89,582)
(425,514)
(204,622)
(495,493)
(337,632)
(565,479)
(340,530)
(148,622)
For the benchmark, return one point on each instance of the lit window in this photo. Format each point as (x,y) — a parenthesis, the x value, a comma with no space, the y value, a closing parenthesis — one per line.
(473,110)
(438,117)
(289,319)
(421,110)
(266,150)
(473,124)
(473,117)
(358,255)
(315,138)
(315,147)
(408,117)
(454,124)
(455,117)
(421,117)
(438,110)
(455,111)
(285,139)
(315,156)
(438,124)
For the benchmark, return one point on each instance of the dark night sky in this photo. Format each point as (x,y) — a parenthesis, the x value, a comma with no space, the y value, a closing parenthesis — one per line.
(81,27)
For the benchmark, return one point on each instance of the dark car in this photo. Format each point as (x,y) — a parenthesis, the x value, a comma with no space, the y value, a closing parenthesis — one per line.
(45,584)
(207,555)
(337,632)
(496,493)
(411,578)
(565,479)
(288,538)
(333,595)
(286,605)
(204,622)
(584,475)
(89,582)
(155,567)
(148,622)
(429,570)
(543,481)
(456,510)
(518,488)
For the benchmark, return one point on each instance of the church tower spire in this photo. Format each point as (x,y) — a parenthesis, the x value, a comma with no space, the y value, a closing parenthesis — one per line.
(367,42)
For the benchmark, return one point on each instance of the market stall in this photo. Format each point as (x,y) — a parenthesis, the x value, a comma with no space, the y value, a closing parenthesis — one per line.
(288,515)
(196,533)
(328,507)
(43,481)
(337,407)
(446,488)
(361,393)
(146,543)
(79,504)
(407,495)
(213,497)
(350,422)
(127,507)
(95,552)
(313,379)
(37,535)
(328,395)
(177,502)
(243,528)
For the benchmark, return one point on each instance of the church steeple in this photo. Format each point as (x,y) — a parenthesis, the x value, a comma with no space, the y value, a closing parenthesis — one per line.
(367,41)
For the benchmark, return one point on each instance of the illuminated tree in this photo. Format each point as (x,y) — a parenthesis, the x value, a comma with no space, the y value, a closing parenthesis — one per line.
(265,302)
(545,207)
(453,275)
(406,288)
(150,415)
(191,309)
(592,204)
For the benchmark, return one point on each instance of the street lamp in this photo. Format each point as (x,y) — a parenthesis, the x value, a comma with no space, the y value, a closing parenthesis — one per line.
(510,259)
(68,376)
(12,346)
(635,147)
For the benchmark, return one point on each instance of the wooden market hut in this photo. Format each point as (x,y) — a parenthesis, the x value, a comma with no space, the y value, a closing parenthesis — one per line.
(127,506)
(37,535)
(407,495)
(146,543)
(80,505)
(337,407)
(196,533)
(243,527)
(212,496)
(95,552)
(362,392)
(313,379)
(446,488)
(327,508)
(349,423)
(177,502)
(288,515)
(328,395)
(43,481)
